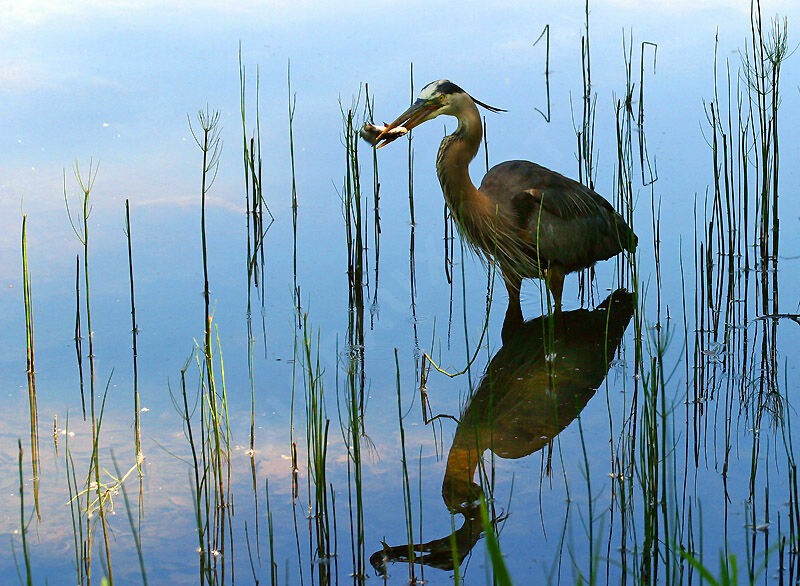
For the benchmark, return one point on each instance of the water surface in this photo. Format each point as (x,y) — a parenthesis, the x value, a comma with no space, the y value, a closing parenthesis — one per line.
(680,438)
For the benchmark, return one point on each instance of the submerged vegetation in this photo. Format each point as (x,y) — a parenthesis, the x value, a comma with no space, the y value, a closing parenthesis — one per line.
(645,437)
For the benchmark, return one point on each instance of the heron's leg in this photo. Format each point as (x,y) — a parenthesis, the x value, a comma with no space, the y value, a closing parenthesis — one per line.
(513,317)
(554,277)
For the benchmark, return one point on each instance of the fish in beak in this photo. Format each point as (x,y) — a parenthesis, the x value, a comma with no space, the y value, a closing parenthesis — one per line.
(417,114)
(371,132)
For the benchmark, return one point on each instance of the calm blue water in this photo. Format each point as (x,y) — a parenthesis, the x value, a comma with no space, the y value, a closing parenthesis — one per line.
(115,84)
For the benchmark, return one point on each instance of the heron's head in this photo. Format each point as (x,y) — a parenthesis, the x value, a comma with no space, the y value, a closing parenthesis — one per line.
(436,98)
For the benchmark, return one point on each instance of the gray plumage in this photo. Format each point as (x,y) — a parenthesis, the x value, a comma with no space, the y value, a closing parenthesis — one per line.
(563,222)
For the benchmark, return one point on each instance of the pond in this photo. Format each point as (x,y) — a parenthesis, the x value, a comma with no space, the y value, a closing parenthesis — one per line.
(241,345)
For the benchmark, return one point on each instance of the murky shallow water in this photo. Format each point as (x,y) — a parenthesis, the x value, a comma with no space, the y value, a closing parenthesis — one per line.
(698,461)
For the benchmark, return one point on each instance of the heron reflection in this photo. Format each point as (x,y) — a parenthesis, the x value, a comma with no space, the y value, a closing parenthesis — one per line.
(533,388)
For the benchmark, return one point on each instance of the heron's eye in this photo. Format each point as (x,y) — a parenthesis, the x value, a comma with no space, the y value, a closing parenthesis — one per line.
(441,97)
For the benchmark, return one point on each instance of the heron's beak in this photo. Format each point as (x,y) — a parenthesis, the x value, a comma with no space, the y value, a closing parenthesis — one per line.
(414,116)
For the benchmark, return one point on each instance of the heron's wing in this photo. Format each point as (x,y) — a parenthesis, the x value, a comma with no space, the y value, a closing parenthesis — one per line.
(571,227)
(563,197)
(561,219)
(515,181)
(568,206)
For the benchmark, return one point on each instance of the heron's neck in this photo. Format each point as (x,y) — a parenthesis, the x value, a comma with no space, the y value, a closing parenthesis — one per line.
(462,462)
(452,163)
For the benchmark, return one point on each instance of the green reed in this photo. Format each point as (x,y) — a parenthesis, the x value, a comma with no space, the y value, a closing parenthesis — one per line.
(293,445)
(273,566)
(257,228)
(134,531)
(411,153)
(624,192)
(409,515)
(211,464)
(250,554)
(137,429)
(352,426)
(500,574)
(259,220)
(256,515)
(80,227)
(724,371)
(209,141)
(222,454)
(743,209)
(449,241)
(199,477)
(793,514)
(454,552)
(645,165)
(376,199)
(585,133)
(257,209)
(30,369)
(23,526)
(645,450)
(546,35)
(75,510)
(623,459)
(412,262)
(317,426)
(78,329)
(215,426)
(354,213)
(292,104)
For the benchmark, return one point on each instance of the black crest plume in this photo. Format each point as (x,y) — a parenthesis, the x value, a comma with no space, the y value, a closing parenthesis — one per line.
(487,106)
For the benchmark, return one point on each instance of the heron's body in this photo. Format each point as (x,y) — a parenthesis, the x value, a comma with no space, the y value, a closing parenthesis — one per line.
(531,221)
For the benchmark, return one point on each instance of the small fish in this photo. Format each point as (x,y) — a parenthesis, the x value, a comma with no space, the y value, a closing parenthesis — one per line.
(370,133)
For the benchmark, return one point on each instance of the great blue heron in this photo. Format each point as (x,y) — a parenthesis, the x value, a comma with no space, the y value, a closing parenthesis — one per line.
(532,221)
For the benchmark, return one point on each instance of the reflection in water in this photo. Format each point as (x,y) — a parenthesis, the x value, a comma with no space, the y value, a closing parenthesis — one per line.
(533,388)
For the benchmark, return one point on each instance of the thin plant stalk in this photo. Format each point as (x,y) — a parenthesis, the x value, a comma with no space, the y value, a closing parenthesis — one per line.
(137,429)
(406,484)
(81,231)
(23,525)
(134,532)
(31,369)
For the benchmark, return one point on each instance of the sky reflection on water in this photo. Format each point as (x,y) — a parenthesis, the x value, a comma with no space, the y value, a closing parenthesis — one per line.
(115,82)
